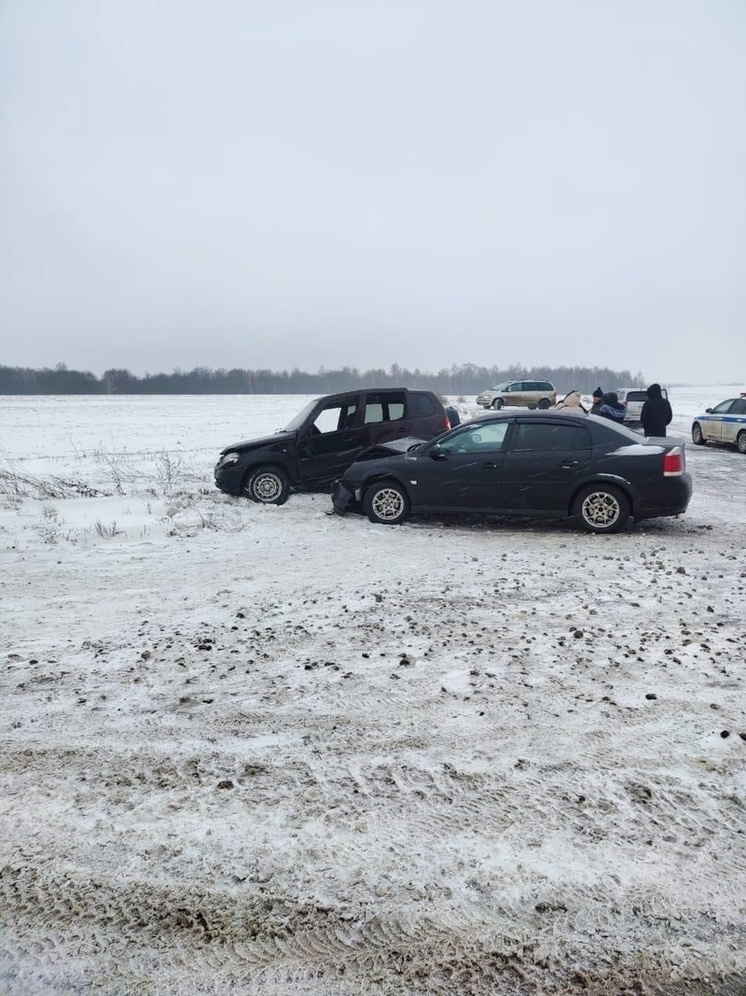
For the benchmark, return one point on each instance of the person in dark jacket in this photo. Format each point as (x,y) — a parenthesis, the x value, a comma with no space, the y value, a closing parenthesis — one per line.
(598,400)
(656,413)
(612,408)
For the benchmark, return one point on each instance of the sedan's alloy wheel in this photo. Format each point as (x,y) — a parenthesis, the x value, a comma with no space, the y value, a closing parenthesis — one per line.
(602,508)
(741,441)
(386,503)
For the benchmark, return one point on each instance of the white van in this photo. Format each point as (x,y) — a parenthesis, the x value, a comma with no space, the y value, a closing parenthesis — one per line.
(634,398)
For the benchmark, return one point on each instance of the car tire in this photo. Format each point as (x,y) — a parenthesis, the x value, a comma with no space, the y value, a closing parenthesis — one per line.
(544,403)
(267,485)
(741,441)
(386,502)
(602,508)
(497,404)
(697,436)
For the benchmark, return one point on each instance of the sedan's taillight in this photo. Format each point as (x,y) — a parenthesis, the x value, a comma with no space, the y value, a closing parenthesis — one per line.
(674,463)
(448,423)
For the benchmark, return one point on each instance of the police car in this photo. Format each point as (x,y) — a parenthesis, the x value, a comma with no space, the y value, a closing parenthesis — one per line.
(725,423)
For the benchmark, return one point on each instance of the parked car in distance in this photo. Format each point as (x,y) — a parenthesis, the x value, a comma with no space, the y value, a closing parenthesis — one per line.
(725,423)
(519,393)
(633,398)
(530,464)
(323,440)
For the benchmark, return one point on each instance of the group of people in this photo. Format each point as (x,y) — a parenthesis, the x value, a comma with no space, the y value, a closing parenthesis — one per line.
(656,412)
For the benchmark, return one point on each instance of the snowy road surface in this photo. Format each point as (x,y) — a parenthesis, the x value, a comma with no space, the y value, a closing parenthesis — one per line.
(265,750)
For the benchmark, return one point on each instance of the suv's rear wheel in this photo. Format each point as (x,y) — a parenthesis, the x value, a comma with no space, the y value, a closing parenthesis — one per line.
(741,441)
(544,403)
(697,438)
(497,404)
(386,502)
(267,485)
(602,508)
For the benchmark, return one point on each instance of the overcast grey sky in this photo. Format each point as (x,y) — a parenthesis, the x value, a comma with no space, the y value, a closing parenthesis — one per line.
(362,182)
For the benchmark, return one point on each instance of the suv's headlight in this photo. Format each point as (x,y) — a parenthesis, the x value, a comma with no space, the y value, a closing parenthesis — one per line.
(229,458)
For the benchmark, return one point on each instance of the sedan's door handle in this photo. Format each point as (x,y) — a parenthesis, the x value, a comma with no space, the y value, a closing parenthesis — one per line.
(491,466)
(567,464)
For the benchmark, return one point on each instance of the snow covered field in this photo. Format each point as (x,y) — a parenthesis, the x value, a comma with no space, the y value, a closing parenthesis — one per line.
(264,750)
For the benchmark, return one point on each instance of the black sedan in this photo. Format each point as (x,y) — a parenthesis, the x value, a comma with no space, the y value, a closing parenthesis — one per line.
(532,464)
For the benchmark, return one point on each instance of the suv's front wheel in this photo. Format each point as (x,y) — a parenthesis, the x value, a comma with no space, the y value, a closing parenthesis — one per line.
(267,485)
(386,502)
(602,508)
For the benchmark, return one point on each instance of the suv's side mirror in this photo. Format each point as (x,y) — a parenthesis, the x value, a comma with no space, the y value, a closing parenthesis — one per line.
(435,452)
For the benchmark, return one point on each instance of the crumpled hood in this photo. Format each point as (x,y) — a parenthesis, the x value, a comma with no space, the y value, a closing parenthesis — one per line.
(251,444)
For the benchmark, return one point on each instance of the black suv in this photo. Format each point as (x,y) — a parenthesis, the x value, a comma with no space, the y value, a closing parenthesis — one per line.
(323,440)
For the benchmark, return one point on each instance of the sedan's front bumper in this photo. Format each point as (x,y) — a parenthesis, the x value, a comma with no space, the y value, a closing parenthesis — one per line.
(344,498)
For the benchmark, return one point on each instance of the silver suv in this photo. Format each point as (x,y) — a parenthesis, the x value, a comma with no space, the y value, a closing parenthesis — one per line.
(519,393)
(634,398)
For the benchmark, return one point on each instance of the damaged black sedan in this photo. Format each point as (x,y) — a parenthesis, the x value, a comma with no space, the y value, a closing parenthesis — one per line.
(532,465)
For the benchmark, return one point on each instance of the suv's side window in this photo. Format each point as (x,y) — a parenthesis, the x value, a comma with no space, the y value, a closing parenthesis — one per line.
(420,406)
(387,407)
(543,436)
(335,417)
(738,407)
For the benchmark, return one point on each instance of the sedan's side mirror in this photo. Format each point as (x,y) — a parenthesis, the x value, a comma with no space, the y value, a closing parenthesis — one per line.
(435,452)
(708,411)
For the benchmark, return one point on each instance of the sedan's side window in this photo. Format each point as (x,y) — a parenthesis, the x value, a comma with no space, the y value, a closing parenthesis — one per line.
(723,407)
(738,407)
(488,438)
(543,436)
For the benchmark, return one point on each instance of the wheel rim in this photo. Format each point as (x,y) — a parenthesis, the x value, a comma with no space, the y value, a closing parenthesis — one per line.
(697,434)
(741,442)
(388,504)
(267,487)
(601,509)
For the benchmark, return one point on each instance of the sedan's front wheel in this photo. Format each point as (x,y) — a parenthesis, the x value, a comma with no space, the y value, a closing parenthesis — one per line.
(386,502)
(741,441)
(697,436)
(602,508)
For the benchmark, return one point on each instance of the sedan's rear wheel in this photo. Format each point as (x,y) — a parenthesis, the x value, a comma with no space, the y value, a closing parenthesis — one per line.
(602,508)
(697,436)
(386,502)
(267,486)
(497,404)
(741,441)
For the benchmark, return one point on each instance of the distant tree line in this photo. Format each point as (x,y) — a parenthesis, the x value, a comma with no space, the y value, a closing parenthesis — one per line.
(461,379)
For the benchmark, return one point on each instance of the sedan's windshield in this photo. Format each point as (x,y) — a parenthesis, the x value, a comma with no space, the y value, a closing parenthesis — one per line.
(301,417)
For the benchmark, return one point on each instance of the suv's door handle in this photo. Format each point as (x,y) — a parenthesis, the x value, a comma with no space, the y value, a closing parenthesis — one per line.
(491,466)
(567,464)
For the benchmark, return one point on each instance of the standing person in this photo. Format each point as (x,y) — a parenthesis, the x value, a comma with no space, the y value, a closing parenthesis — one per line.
(656,413)
(611,407)
(571,400)
(598,400)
